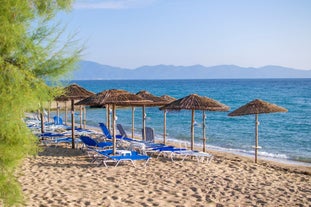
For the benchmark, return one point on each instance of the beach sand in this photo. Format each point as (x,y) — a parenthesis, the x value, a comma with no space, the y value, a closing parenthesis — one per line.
(60,176)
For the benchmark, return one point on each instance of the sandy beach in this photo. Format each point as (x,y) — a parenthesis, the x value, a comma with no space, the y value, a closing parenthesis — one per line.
(60,176)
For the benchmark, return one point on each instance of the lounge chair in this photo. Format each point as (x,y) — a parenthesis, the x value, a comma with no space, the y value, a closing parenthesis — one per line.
(67,140)
(168,151)
(121,130)
(200,156)
(149,134)
(51,134)
(58,120)
(92,143)
(47,138)
(125,156)
(107,134)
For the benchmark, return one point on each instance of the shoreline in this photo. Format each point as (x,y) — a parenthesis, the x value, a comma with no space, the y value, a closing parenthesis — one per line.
(271,155)
(244,154)
(181,143)
(178,143)
(296,165)
(261,161)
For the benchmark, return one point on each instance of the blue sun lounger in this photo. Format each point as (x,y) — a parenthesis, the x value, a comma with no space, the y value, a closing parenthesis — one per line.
(107,134)
(200,156)
(122,156)
(67,140)
(92,143)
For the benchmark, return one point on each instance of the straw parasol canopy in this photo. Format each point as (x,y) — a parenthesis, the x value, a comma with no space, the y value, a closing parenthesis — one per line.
(155,101)
(256,107)
(73,92)
(113,97)
(100,98)
(195,102)
(126,99)
(168,98)
(123,99)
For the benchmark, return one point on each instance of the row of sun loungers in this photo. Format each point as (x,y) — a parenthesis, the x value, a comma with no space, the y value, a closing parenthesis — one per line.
(156,149)
(129,150)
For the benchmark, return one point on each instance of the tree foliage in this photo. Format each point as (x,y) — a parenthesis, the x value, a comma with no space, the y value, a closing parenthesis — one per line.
(30,54)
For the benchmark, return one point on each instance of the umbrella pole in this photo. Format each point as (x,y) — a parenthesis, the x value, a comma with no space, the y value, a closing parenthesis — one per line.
(256,137)
(42,122)
(72,124)
(57,112)
(133,110)
(108,116)
(114,128)
(204,136)
(49,112)
(84,120)
(80,116)
(164,129)
(66,112)
(144,123)
(192,130)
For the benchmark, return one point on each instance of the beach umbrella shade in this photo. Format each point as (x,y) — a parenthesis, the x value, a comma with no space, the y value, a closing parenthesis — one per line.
(195,102)
(155,101)
(71,93)
(256,107)
(126,99)
(99,100)
(168,98)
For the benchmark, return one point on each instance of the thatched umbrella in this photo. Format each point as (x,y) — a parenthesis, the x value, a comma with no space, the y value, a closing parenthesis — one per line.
(256,107)
(124,99)
(99,100)
(155,101)
(73,92)
(168,98)
(195,102)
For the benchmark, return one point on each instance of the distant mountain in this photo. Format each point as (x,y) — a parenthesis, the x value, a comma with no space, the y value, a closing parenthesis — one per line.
(88,70)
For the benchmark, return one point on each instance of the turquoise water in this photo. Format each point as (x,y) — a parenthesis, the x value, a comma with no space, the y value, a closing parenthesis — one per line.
(282,136)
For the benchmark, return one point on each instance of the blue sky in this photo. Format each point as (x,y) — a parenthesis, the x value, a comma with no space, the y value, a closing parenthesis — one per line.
(247,33)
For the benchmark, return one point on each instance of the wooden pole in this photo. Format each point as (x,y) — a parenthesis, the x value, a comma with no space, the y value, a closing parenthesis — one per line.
(107,116)
(66,112)
(84,120)
(73,123)
(80,116)
(42,122)
(57,112)
(114,128)
(144,123)
(192,129)
(108,120)
(256,137)
(49,112)
(164,128)
(204,134)
(133,119)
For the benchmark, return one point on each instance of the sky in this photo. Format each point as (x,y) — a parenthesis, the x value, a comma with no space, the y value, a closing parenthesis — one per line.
(247,33)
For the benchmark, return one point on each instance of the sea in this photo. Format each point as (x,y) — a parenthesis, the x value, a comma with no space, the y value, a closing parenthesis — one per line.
(283,137)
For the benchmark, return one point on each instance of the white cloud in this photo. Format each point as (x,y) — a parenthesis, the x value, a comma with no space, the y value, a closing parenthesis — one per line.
(111,4)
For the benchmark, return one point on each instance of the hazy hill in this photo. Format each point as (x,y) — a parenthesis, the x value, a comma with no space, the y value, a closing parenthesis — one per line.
(88,70)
